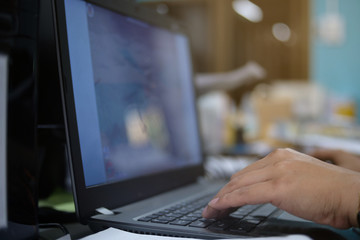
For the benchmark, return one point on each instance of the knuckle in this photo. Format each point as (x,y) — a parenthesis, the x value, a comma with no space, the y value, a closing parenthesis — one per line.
(224,200)
(279,152)
(232,199)
(283,165)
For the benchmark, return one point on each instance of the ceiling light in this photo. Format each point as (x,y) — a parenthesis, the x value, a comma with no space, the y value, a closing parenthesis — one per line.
(162,8)
(248,10)
(281,32)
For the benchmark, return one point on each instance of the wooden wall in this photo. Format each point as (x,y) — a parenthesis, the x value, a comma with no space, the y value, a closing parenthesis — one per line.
(222,40)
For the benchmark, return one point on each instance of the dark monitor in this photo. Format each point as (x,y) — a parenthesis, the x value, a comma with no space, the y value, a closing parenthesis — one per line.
(136,97)
(3,119)
(18,43)
(50,121)
(132,87)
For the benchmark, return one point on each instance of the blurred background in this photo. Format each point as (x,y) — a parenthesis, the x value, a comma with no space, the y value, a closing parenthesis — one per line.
(268,73)
(297,64)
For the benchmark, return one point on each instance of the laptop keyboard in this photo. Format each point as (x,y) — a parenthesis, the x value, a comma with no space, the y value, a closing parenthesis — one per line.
(244,220)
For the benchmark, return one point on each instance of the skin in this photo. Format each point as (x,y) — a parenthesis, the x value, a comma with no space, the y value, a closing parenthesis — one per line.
(297,183)
(339,157)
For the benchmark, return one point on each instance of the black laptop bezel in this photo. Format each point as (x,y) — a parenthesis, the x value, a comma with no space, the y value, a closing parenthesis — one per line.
(88,199)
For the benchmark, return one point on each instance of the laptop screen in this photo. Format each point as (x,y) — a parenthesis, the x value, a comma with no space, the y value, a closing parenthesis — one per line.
(133,94)
(3,138)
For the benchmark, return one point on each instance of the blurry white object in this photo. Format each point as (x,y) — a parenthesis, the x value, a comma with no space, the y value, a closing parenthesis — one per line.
(341,110)
(281,32)
(332,25)
(251,71)
(224,167)
(117,234)
(214,109)
(280,103)
(248,10)
(3,127)
(259,148)
(312,141)
(308,99)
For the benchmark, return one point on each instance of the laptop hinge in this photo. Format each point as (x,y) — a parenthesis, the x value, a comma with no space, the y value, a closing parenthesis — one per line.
(104,211)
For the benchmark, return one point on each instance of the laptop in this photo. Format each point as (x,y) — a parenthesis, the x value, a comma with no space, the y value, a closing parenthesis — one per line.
(3,138)
(132,128)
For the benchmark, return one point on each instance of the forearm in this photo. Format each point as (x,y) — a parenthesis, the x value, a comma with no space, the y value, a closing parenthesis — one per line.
(355,206)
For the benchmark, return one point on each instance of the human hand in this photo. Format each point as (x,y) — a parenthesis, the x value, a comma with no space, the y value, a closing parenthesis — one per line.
(297,183)
(338,157)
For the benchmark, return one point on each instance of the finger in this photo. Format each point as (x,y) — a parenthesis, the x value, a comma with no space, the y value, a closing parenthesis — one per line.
(243,180)
(255,194)
(271,159)
(208,212)
(324,154)
(247,178)
(256,165)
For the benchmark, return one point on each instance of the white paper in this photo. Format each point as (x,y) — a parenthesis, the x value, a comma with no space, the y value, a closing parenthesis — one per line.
(3,133)
(116,234)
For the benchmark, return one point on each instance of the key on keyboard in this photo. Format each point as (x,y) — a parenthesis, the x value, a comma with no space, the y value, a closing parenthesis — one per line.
(244,220)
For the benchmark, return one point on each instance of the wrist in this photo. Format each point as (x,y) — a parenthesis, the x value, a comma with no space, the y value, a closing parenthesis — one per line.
(357,223)
(354,216)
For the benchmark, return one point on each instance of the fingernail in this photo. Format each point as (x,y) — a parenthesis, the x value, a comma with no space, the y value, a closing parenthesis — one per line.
(204,212)
(209,212)
(213,202)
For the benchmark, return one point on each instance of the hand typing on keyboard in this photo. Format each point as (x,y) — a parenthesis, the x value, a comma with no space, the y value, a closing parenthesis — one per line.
(297,183)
